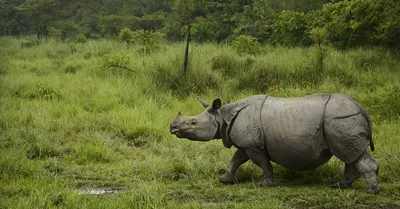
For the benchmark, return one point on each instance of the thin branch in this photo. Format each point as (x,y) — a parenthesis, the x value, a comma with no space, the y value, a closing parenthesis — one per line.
(125,68)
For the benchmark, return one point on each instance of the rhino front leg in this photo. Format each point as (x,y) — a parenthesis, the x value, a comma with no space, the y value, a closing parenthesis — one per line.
(350,174)
(237,160)
(365,165)
(260,158)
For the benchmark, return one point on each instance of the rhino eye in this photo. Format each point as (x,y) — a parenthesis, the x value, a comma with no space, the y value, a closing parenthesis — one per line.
(193,122)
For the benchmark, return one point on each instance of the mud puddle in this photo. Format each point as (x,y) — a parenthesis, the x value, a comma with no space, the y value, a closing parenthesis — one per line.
(99,190)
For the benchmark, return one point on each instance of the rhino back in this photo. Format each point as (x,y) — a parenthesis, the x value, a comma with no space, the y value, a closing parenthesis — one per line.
(293,133)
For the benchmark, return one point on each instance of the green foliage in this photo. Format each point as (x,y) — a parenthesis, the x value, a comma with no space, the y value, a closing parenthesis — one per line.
(111,24)
(348,23)
(55,33)
(245,44)
(126,35)
(81,38)
(320,37)
(184,10)
(114,61)
(64,29)
(147,41)
(39,14)
(358,22)
(289,29)
(170,77)
(28,43)
(39,91)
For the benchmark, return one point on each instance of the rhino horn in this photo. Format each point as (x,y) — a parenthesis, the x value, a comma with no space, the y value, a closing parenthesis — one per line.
(204,103)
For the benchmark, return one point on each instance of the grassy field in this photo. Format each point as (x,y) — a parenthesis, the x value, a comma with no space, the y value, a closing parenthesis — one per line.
(71,120)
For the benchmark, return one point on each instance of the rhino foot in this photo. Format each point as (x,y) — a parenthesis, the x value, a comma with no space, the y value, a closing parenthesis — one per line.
(228,178)
(372,190)
(341,185)
(266,183)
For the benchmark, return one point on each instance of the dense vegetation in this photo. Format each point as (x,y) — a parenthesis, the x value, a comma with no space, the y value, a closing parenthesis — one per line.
(71,118)
(282,22)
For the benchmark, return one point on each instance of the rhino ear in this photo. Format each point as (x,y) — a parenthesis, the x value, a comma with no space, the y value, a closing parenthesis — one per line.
(204,103)
(216,104)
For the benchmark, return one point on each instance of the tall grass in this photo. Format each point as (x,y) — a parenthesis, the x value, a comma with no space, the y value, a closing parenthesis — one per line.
(67,122)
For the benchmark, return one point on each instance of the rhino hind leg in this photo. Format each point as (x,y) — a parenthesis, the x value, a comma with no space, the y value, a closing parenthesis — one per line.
(237,160)
(365,165)
(260,158)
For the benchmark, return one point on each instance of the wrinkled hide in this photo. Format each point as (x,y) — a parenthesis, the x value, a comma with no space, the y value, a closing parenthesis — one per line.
(244,123)
(294,131)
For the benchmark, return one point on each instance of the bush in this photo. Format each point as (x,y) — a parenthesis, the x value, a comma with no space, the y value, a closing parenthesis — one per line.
(147,41)
(369,22)
(245,44)
(196,82)
(115,61)
(39,91)
(126,35)
(227,64)
(81,38)
(320,38)
(29,43)
(72,69)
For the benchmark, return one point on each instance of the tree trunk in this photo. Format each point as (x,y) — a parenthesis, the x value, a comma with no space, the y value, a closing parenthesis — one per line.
(185,63)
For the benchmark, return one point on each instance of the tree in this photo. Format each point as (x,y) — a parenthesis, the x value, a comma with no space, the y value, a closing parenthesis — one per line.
(67,28)
(111,24)
(363,22)
(255,20)
(39,13)
(289,28)
(184,10)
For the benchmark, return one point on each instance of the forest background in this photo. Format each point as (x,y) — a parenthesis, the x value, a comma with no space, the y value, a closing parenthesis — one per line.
(283,22)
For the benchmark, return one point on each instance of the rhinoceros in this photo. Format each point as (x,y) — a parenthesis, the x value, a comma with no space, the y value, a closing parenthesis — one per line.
(299,133)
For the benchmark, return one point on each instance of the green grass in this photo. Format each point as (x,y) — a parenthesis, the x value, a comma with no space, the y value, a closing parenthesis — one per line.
(68,122)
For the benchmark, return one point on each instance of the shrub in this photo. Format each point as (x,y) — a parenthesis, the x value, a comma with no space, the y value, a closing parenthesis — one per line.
(320,37)
(147,41)
(226,63)
(81,38)
(71,69)
(39,91)
(118,61)
(245,44)
(126,35)
(172,78)
(29,43)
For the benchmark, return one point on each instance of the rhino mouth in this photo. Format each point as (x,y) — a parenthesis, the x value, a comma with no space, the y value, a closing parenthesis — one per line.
(175,131)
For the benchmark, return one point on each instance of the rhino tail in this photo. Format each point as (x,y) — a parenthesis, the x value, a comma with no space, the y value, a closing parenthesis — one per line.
(366,115)
(371,142)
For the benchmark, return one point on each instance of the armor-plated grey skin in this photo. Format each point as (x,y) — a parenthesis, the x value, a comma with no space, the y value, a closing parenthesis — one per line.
(298,133)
